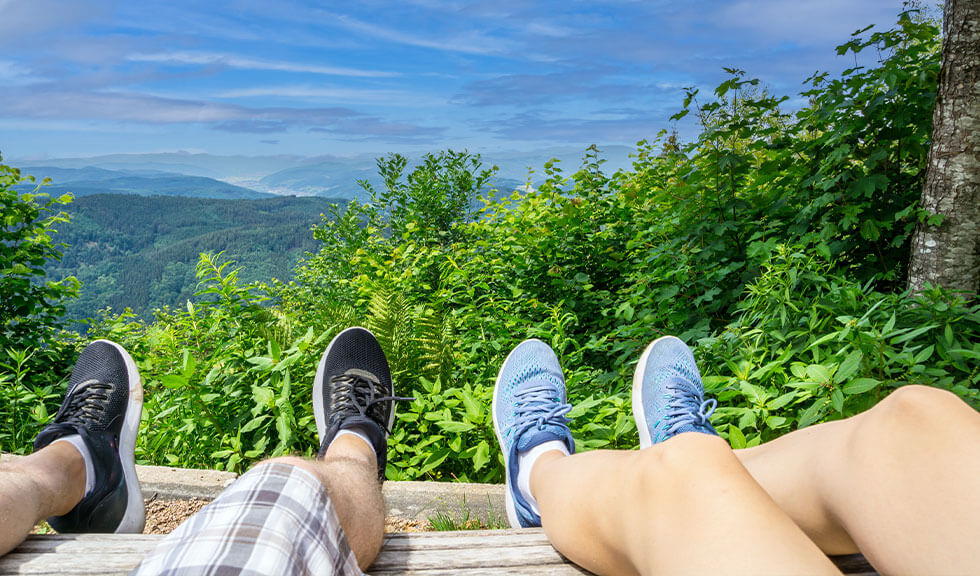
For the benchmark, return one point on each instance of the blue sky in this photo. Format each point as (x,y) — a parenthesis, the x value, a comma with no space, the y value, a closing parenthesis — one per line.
(88,77)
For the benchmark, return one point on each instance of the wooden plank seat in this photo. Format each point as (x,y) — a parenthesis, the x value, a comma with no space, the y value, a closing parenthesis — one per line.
(489,552)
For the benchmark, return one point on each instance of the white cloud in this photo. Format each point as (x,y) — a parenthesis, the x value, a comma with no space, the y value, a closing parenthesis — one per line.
(14,74)
(232,61)
(469,43)
(392,98)
(809,22)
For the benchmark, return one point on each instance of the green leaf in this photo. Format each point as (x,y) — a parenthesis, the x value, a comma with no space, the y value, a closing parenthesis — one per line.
(173,381)
(254,423)
(263,396)
(837,399)
(819,373)
(482,455)
(735,437)
(473,411)
(457,427)
(782,401)
(811,414)
(849,366)
(925,354)
(756,393)
(860,386)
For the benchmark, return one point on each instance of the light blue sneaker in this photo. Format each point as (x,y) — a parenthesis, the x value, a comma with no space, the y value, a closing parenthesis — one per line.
(528,409)
(668,397)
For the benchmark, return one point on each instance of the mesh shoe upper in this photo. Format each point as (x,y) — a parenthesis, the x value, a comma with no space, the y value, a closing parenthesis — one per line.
(668,397)
(353,389)
(95,407)
(529,408)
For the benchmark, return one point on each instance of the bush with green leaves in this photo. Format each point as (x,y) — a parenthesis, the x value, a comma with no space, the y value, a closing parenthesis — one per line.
(34,352)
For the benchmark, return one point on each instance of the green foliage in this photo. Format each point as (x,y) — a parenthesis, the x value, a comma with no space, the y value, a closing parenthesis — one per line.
(809,345)
(32,357)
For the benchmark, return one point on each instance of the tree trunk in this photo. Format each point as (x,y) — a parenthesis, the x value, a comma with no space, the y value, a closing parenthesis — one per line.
(949,254)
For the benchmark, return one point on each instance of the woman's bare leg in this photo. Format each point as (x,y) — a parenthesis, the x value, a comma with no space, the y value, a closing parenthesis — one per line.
(899,483)
(684,506)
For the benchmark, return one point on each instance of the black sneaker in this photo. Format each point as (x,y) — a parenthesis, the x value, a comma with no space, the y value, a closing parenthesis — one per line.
(353,390)
(103,406)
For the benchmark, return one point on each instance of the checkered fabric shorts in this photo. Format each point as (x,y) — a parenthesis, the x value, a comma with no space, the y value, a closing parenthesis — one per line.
(275,519)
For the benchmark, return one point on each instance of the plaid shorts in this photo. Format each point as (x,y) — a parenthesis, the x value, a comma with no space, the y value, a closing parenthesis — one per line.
(275,519)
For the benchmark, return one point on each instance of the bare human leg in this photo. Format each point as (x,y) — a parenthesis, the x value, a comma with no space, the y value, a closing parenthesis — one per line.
(349,472)
(48,483)
(899,483)
(683,506)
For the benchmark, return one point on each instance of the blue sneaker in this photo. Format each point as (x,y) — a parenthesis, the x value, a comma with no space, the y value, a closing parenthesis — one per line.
(668,397)
(528,409)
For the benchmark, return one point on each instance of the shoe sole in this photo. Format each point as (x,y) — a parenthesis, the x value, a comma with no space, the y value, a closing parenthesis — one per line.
(638,415)
(319,415)
(134,518)
(508,496)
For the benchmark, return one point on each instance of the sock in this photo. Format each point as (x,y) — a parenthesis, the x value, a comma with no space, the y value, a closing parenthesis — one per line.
(525,463)
(355,432)
(79,444)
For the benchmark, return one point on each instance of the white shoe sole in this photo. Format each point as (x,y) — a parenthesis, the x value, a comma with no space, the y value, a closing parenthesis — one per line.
(134,518)
(508,495)
(638,415)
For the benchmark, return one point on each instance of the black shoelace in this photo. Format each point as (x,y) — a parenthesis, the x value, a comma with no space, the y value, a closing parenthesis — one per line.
(87,403)
(358,391)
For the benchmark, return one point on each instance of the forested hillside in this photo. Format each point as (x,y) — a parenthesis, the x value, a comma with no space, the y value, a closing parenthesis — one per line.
(140,252)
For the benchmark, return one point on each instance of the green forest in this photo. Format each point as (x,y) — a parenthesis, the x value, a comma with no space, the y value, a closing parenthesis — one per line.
(141,252)
(776,242)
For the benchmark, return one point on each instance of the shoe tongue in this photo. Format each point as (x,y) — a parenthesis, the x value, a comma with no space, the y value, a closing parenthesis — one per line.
(536,436)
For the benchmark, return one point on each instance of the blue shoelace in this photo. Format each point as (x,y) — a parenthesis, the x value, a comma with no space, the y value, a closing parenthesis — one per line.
(687,407)
(536,408)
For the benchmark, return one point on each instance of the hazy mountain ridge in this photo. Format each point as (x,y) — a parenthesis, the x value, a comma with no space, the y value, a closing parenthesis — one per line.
(90,180)
(326,175)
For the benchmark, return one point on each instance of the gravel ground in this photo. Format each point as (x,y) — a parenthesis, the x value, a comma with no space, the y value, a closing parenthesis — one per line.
(163,516)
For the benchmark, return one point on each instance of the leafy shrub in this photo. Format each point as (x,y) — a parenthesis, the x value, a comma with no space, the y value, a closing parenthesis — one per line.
(809,345)
(33,351)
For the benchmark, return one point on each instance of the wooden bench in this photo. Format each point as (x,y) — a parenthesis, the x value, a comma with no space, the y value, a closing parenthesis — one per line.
(489,552)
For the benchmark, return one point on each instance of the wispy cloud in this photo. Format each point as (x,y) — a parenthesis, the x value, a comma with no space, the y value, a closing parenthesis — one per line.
(466,42)
(245,63)
(57,104)
(388,97)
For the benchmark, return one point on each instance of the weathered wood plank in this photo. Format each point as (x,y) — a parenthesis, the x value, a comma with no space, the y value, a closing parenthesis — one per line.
(490,552)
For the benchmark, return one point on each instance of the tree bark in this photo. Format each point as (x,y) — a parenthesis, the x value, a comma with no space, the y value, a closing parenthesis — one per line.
(949,254)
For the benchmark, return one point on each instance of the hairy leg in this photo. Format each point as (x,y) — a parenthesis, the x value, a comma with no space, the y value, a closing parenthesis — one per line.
(349,472)
(898,483)
(48,483)
(684,506)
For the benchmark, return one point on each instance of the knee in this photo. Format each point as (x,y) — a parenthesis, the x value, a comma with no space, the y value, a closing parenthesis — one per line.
(683,457)
(917,407)
(911,415)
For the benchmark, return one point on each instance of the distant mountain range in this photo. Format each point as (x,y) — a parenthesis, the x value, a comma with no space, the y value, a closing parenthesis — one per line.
(243,177)
(92,180)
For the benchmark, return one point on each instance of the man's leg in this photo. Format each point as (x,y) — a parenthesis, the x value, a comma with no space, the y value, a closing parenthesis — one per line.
(349,473)
(48,483)
(294,516)
(900,482)
(82,475)
(685,506)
